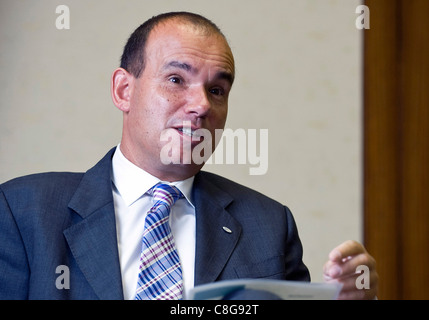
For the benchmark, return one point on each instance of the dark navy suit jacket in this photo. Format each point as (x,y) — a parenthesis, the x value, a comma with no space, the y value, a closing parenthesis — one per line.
(67,219)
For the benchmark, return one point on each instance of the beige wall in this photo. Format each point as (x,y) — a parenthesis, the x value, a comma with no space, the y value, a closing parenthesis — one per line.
(298,75)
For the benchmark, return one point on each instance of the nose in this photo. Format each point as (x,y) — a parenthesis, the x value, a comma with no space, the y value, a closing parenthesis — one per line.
(198,103)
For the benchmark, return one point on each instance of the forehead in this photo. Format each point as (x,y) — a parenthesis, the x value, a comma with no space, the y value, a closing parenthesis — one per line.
(173,39)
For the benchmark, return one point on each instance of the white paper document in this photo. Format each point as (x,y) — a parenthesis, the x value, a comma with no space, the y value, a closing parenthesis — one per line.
(286,290)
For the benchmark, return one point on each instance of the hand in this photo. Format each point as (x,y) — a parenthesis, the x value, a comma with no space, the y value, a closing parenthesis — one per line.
(341,268)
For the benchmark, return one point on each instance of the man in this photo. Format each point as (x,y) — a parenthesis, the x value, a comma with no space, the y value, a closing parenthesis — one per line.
(79,236)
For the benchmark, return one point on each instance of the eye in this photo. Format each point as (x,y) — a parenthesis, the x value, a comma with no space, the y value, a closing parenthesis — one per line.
(217,91)
(175,79)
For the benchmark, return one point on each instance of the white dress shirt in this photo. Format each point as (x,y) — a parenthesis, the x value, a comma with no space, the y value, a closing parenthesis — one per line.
(132,202)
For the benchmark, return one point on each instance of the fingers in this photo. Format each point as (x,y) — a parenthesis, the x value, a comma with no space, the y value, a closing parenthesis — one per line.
(345,250)
(347,266)
(342,267)
(350,291)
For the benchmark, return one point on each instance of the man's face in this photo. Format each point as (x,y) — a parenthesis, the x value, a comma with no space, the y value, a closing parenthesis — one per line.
(186,80)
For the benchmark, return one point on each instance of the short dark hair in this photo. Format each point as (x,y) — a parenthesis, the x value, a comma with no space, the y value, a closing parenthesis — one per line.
(133,55)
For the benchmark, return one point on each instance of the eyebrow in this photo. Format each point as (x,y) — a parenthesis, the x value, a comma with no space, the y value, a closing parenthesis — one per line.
(180,65)
(224,75)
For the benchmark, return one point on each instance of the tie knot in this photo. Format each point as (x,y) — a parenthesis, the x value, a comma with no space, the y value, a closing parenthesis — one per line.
(165,194)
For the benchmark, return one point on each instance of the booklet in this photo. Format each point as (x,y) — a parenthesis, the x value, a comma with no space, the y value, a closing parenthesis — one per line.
(285,290)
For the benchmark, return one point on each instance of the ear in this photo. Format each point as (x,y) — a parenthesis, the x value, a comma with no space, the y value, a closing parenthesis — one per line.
(120,87)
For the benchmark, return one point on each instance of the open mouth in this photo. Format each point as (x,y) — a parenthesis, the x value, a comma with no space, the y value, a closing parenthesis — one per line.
(187,131)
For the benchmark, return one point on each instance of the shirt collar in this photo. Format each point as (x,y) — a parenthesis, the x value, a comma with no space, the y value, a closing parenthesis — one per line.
(133,182)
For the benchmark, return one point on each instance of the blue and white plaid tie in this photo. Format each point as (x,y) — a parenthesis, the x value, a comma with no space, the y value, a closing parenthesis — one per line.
(160,276)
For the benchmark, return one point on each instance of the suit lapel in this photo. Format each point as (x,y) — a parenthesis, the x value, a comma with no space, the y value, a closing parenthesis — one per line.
(93,242)
(92,239)
(214,243)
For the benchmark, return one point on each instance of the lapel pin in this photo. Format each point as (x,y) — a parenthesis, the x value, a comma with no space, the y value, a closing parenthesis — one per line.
(227,230)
